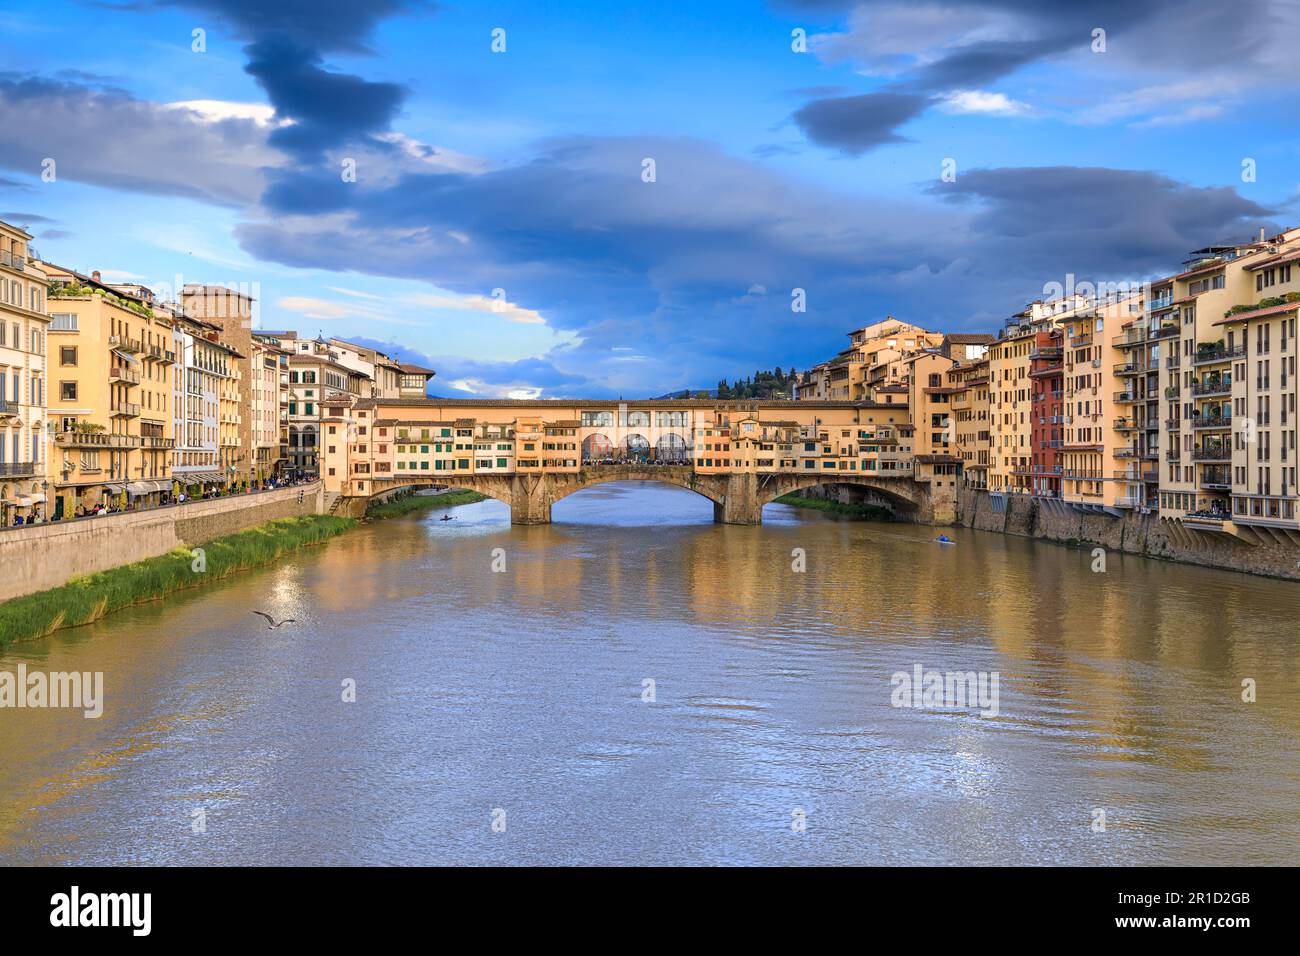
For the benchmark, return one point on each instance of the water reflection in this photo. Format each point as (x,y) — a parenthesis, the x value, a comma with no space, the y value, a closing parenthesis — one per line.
(522,690)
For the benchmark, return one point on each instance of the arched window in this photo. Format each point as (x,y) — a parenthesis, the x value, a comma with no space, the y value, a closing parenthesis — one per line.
(638,419)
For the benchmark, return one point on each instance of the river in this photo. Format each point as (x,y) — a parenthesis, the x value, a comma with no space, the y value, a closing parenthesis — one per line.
(503,716)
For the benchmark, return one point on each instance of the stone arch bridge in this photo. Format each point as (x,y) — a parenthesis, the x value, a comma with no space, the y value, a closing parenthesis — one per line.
(738,498)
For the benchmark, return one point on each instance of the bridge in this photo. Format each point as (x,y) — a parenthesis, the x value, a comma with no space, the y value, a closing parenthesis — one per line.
(740,455)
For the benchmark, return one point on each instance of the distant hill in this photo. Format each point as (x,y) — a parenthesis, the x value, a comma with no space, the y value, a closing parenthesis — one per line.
(685,393)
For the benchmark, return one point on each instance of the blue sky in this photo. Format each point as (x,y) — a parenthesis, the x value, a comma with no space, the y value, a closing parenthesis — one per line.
(499,227)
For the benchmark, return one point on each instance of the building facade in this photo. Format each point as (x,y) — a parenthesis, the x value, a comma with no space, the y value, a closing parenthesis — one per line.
(110,397)
(24,327)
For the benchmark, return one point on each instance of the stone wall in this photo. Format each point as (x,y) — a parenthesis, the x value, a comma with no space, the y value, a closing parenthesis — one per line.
(1144,534)
(43,556)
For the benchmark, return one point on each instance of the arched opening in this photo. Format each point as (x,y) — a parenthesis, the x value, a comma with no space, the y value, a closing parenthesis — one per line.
(671,449)
(633,504)
(635,449)
(849,499)
(597,448)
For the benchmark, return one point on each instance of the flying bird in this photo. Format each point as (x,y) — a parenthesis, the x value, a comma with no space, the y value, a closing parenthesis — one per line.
(271,622)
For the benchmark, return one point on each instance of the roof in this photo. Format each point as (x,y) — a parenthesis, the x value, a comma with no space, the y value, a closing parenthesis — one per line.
(1278,259)
(409,369)
(543,405)
(970,338)
(1259,313)
(18,229)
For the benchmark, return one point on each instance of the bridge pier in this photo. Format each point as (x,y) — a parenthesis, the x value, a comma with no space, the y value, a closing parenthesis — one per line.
(531,497)
(740,502)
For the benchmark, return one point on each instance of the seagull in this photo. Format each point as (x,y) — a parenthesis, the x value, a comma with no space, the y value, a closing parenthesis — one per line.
(271,622)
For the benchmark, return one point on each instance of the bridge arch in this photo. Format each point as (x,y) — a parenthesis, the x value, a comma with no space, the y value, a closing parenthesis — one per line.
(589,478)
(496,487)
(904,494)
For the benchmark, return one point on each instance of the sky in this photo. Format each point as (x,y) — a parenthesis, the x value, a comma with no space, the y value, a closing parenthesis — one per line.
(626,199)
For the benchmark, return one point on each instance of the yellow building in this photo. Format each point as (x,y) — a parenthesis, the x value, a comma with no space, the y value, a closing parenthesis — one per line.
(1010,408)
(110,395)
(1098,460)
(969,407)
(934,443)
(24,326)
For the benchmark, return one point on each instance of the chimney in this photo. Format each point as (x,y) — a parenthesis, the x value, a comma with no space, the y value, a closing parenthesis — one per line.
(1261,233)
(95,275)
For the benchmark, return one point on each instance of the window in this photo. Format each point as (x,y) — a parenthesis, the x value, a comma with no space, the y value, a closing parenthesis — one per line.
(68,391)
(68,355)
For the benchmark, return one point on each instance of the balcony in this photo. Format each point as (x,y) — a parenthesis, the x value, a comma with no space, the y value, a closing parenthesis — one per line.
(96,440)
(1211,356)
(122,374)
(1165,332)
(1125,425)
(20,469)
(1126,453)
(125,344)
(1128,368)
(1125,398)
(1217,478)
(18,263)
(1129,339)
(1212,452)
(1080,340)
(1218,422)
(125,410)
(8,410)
(156,353)
(1214,386)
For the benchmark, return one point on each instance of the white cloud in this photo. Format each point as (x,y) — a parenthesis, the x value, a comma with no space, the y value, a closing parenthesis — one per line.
(478,386)
(477,303)
(1191,114)
(436,157)
(983,101)
(214,111)
(313,308)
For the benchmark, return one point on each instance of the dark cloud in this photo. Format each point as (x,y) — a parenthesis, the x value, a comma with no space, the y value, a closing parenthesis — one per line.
(328,110)
(53,234)
(855,124)
(1130,222)
(286,44)
(324,25)
(24,217)
(968,44)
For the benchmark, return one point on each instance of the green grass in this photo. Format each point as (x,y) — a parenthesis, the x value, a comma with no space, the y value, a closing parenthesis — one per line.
(874,512)
(409,504)
(86,599)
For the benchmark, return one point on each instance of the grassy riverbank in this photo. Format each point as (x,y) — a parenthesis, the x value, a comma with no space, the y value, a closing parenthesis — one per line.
(410,504)
(86,599)
(874,512)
